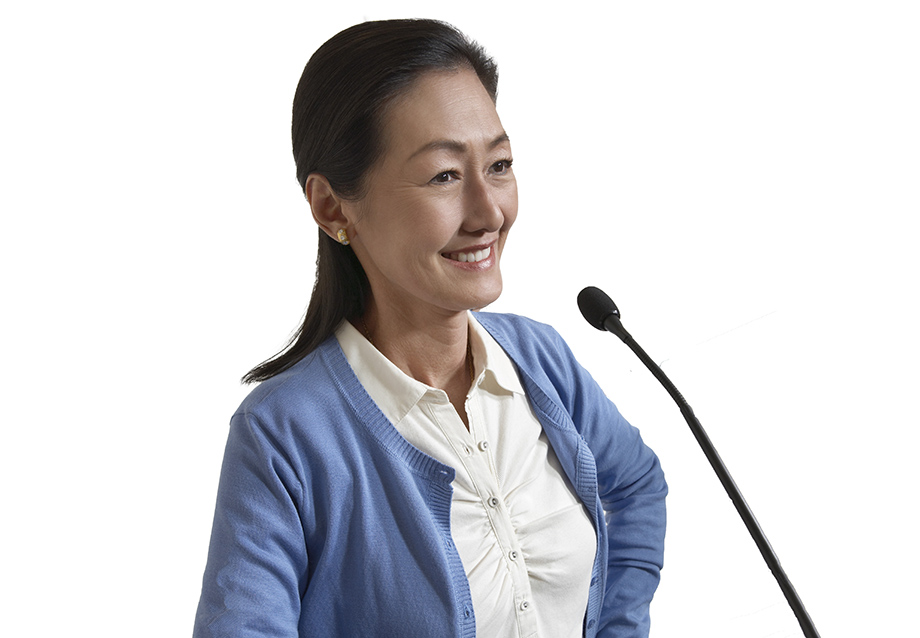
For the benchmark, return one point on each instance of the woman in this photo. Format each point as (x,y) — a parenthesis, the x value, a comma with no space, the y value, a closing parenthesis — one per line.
(408,467)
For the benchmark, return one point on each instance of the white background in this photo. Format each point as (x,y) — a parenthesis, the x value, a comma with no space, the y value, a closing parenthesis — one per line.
(741,177)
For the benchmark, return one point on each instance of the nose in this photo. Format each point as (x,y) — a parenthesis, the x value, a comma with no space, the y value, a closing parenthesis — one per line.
(489,205)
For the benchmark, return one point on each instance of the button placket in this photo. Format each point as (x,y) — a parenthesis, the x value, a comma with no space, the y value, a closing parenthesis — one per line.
(484,476)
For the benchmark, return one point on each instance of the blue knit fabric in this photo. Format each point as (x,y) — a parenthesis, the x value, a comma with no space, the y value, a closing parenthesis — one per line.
(329,523)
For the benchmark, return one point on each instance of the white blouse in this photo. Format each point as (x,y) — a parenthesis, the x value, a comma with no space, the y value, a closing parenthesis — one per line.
(525,539)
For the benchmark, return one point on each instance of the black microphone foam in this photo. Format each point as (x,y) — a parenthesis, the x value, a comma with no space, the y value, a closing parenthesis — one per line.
(596,306)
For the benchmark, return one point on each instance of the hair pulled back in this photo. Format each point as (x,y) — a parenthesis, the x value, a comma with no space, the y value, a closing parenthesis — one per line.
(336,131)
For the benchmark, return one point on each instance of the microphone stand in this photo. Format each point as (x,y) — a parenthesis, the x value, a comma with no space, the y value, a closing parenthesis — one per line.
(612,323)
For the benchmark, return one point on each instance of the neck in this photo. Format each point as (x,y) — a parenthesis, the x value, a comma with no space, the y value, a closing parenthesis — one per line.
(433,351)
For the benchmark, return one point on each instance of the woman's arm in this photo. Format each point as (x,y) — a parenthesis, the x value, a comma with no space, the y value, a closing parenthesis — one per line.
(257,562)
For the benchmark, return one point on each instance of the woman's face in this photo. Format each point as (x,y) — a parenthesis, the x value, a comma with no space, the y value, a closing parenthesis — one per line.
(430,229)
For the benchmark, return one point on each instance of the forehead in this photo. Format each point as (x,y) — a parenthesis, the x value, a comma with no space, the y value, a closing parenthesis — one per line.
(440,105)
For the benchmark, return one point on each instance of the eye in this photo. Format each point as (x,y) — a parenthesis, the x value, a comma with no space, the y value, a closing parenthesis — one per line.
(501,166)
(445,177)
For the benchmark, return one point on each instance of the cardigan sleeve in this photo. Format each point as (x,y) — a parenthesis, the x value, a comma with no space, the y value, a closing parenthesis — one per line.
(632,491)
(257,561)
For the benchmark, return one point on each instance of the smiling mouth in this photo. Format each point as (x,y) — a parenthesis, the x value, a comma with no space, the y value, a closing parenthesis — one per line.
(470,257)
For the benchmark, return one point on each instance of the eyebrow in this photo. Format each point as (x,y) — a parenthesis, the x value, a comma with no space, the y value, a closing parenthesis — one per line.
(455,146)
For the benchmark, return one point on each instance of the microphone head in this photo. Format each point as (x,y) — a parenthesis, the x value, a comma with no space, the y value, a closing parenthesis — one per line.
(596,306)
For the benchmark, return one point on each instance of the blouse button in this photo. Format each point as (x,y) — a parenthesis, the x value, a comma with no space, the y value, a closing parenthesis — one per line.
(525,605)
(493,501)
(483,445)
(512,555)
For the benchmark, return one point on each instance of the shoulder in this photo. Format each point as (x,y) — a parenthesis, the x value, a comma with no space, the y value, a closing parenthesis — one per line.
(510,322)
(315,387)
(541,356)
(529,343)
(318,409)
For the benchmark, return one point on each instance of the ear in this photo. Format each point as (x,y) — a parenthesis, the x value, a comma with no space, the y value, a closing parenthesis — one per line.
(325,204)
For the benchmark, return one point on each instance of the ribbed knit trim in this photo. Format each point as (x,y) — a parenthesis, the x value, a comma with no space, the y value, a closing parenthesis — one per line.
(585,479)
(439,475)
(378,426)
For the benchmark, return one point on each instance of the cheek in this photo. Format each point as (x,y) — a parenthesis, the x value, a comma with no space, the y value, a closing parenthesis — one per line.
(510,208)
(434,230)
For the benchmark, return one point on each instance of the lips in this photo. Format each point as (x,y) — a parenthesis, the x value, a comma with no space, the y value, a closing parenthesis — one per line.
(471,256)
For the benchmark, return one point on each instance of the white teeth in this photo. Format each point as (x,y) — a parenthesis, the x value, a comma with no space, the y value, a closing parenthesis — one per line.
(479,255)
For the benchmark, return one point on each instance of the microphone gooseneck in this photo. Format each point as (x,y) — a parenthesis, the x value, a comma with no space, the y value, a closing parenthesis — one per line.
(600,311)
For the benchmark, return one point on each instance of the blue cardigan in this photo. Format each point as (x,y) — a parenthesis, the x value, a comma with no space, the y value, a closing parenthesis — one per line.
(329,523)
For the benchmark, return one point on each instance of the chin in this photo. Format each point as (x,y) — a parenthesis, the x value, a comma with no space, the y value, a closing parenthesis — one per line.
(487,297)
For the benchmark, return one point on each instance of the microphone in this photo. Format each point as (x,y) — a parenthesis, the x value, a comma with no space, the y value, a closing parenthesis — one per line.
(600,311)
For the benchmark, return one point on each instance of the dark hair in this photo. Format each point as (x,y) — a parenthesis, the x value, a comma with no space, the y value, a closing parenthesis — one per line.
(337,132)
